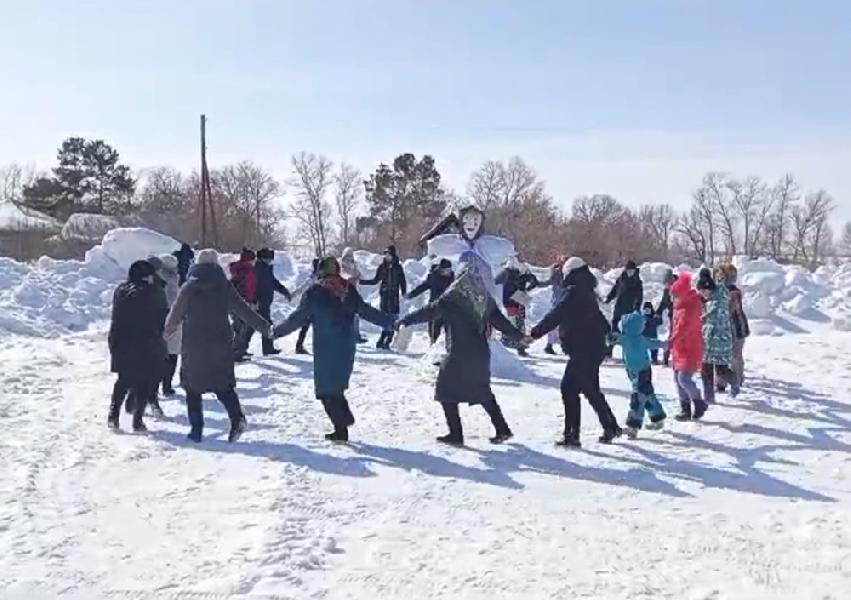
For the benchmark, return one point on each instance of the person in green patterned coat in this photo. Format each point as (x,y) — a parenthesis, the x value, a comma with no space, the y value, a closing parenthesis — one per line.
(717,337)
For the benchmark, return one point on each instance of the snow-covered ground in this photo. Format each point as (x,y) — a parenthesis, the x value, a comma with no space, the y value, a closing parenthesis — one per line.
(753,502)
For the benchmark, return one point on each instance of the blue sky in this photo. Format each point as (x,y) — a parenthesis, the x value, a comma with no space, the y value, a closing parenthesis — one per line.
(634,98)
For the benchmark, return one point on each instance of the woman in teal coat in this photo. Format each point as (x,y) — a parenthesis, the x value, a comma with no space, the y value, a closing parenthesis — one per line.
(330,305)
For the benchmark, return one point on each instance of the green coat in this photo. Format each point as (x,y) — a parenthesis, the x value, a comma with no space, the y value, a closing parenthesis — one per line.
(717,329)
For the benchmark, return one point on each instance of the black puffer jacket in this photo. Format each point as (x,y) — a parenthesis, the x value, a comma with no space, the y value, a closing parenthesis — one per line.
(513,281)
(435,284)
(628,292)
(582,327)
(136,344)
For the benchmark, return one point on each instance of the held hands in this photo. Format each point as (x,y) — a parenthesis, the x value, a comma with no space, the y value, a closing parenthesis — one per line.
(527,340)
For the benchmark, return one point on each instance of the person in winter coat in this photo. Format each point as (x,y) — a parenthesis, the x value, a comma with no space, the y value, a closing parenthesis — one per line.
(628,293)
(266,286)
(467,310)
(555,281)
(438,280)
(168,272)
(330,306)
(391,277)
(201,309)
(351,273)
(635,344)
(299,293)
(728,274)
(136,345)
(717,337)
(652,321)
(686,343)
(184,258)
(666,306)
(582,330)
(243,277)
(516,281)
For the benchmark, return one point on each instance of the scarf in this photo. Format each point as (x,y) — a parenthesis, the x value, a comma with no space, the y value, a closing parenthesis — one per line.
(336,284)
(468,291)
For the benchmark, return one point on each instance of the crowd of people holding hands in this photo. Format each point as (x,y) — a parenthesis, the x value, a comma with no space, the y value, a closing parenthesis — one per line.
(184,305)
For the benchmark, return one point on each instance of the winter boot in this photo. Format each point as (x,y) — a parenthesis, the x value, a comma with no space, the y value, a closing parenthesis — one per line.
(632,432)
(501,437)
(699,410)
(521,351)
(139,424)
(656,426)
(156,410)
(236,430)
(338,435)
(299,349)
(168,391)
(610,434)
(273,352)
(361,339)
(195,435)
(570,440)
(548,349)
(451,439)
(685,411)
(734,390)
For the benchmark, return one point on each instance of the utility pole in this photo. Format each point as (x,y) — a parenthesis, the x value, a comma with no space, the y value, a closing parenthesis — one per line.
(206,197)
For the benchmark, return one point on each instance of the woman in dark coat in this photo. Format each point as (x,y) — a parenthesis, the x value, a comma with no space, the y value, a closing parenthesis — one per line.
(391,278)
(136,344)
(582,329)
(202,308)
(330,306)
(467,309)
(184,258)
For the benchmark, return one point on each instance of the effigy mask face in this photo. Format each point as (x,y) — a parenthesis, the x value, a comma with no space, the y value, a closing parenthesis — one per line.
(471,224)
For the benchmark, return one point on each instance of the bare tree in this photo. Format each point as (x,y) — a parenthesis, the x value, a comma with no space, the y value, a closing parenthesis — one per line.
(244,195)
(658,222)
(13,179)
(845,240)
(312,178)
(692,227)
(785,196)
(349,182)
(751,203)
(811,227)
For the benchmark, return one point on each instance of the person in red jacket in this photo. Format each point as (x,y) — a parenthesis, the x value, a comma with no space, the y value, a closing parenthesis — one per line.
(686,343)
(244,278)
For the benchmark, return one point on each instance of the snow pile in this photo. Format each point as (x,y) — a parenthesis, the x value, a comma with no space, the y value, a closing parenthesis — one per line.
(86,226)
(14,217)
(53,296)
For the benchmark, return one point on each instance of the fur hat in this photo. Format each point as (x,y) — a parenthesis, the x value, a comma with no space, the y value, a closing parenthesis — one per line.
(571,264)
(207,256)
(630,264)
(247,254)
(705,280)
(169,261)
(265,253)
(139,270)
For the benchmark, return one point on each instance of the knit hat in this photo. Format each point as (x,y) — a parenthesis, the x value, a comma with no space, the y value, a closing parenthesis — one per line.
(155,262)
(207,256)
(391,250)
(630,264)
(247,254)
(328,266)
(705,280)
(571,264)
(169,261)
(648,305)
(265,253)
(444,263)
(139,270)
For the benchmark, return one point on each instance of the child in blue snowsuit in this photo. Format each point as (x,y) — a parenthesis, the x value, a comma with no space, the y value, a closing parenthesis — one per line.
(637,362)
(652,322)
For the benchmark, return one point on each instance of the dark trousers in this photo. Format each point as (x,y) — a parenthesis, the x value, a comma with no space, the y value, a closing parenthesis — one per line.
(707,377)
(338,411)
(453,418)
(302,334)
(654,355)
(170,368)
(227,397)
(265,311)
(435,326)
(584,378)
(241,336)
(139,391)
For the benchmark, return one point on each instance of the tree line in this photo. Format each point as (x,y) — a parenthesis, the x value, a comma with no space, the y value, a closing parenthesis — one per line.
(322,207)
